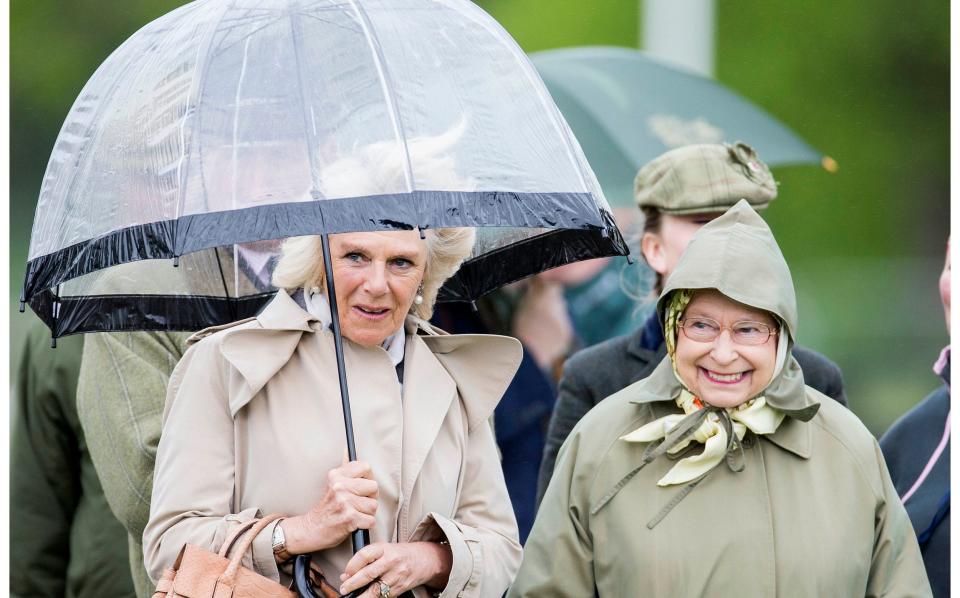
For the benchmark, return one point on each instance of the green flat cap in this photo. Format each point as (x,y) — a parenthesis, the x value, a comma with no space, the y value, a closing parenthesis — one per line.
(697,179)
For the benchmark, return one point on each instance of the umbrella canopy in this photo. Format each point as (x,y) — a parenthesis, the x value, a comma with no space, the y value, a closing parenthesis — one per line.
(626,108)
(229,123)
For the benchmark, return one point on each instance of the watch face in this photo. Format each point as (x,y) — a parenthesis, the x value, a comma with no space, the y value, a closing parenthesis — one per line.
(278,539)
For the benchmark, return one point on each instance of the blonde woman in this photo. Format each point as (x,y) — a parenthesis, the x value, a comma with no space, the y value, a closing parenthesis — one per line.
(253,422)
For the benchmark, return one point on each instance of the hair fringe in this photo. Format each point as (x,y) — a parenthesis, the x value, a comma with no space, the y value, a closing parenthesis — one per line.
(380,168)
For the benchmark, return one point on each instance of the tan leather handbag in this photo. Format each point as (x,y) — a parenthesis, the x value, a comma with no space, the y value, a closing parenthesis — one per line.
(199,573)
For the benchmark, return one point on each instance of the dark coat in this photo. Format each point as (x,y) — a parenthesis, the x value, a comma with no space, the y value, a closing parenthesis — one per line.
(64,540)
(599,371)
(908,446)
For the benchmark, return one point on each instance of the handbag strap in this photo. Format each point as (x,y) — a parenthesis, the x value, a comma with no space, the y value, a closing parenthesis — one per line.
(232,538)
(249,534)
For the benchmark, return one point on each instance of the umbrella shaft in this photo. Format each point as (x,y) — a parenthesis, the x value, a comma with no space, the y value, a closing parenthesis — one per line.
(360,538)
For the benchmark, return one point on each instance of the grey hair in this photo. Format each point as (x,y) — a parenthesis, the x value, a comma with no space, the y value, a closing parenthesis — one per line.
(382,168)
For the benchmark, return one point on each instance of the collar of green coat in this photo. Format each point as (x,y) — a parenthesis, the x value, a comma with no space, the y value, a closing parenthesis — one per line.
(482,366)
(661,388)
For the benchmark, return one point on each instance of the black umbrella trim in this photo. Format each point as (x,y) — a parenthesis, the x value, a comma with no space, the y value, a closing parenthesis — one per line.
(115,313)
(476,277)
(111,313)
(405,211)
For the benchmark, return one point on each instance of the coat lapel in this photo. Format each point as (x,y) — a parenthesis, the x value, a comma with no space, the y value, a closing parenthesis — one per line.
(794,435)
(258,350)
(482,365)
(439,367)
(648,358)
(428,391)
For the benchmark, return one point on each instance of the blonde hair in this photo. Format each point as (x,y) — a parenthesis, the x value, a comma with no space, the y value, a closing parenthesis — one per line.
(380,168)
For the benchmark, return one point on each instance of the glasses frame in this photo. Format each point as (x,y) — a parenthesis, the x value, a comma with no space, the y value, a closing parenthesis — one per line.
(771,331)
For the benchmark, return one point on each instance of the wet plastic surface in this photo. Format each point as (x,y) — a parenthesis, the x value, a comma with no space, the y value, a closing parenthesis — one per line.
(226,123)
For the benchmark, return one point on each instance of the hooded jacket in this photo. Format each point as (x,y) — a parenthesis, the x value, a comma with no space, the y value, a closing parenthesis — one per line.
(812,512)
(253,422)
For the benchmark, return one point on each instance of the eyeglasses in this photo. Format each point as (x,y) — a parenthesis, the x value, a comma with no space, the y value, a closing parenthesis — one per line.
(704,330)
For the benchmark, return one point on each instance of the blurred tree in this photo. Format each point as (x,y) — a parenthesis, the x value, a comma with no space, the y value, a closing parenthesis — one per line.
(54,48)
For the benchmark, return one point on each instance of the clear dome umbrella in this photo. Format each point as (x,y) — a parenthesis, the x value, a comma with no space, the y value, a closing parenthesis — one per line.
(227,125)
(229,122)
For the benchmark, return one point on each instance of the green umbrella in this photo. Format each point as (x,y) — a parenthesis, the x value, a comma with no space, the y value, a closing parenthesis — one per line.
(626,108)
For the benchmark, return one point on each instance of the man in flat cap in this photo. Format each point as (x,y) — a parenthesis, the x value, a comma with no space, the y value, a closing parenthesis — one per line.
(678,192)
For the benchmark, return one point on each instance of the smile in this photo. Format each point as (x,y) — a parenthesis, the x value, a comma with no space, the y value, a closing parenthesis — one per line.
(371,312)
(718,378)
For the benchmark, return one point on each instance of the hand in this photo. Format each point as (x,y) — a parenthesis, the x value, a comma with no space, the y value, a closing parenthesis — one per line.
(542,323)
(349,504)
(400,566)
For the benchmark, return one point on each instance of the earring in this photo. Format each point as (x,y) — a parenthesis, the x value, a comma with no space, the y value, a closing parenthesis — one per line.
(314,290)
(418,300)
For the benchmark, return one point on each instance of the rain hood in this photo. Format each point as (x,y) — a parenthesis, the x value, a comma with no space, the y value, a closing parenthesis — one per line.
(737,255)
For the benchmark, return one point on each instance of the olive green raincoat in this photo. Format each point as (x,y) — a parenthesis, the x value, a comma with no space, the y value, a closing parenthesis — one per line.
(812,512)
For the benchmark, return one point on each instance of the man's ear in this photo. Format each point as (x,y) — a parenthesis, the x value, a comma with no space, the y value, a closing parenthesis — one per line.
(651,246)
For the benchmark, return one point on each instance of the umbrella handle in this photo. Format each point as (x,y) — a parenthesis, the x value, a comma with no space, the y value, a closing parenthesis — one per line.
(305,586)
(301,579)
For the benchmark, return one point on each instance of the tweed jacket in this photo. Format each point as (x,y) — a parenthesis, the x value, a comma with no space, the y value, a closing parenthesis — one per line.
(120,394)
(253,422)
(597,372)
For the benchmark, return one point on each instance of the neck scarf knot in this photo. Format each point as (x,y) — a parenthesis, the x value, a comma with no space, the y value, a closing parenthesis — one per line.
(718,430)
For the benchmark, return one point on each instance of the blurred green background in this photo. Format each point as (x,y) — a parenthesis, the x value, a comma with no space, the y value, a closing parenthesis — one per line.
(866,84)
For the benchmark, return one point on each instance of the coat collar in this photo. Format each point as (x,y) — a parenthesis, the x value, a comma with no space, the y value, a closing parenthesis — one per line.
(660,389)
(438,367)
(428,391)
(639,344)
(283,313)
(479,366)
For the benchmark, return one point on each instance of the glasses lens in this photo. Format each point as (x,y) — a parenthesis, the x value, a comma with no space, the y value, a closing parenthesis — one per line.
(701,329)
(751,333)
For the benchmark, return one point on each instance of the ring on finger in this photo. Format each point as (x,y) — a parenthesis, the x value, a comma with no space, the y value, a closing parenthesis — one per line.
(383,588)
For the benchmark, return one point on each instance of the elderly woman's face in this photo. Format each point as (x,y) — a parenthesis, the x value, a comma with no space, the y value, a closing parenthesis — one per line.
(377,276)
(724,372)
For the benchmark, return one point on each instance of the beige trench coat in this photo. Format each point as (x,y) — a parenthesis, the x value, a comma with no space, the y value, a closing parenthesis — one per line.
(253,422)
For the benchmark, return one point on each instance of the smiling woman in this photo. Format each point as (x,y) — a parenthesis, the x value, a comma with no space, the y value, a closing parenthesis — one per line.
(724,355)
(722,473)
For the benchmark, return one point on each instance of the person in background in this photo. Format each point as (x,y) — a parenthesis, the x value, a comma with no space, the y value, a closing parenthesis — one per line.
(64,541)
(120,396)
(722,473)
(521,416)
(917,451)
(553,314)
(678,193)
